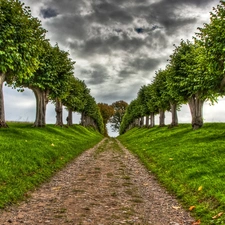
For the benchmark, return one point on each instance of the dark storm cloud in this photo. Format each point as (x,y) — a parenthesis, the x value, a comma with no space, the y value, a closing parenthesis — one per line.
(116,95)
(144,63)
(98,74)
(106,26)
(137,64)
(103,28)
(80,16)
(126,73)
(65,6)
(100,46)
(199,3)
(48,13)
(122,42)
(166,15)
(171,15)
(97,45)
(110,12)
(68,26)
(119,92)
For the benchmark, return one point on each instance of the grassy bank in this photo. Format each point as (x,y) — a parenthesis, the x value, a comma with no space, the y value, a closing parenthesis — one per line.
(28,156)
(190,164)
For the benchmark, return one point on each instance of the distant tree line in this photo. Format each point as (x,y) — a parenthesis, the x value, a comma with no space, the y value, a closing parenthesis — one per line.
(28,60)
(195,74)
(112,113)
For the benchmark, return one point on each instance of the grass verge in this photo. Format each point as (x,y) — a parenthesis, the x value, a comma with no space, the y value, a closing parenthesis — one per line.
(189,163)
(29,156)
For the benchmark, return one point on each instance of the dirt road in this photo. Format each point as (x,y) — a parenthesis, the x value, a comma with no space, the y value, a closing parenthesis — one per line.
(106,185)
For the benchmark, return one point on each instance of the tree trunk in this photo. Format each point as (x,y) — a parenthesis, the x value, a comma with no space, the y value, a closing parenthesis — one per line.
(139,122)
(222,84)
(147,121)
(87,121)
(41,102)
(142,121)
(161,118)
(2,107)
(130,126)
(105,131)
(82,119)
(174,122)
(92,123)
(136,122)
(196,108)
(152,119)
(70,117)
(59,112)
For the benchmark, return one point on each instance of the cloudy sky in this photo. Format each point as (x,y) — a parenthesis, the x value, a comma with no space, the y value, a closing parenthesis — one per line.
(117,45)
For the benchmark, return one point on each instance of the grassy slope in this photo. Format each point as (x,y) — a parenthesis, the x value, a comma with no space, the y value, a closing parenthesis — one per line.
(190,164)
(28,156)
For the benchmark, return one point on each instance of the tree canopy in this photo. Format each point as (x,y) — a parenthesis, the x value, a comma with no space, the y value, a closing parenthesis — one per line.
(21,37)
(119,111)
(212,37)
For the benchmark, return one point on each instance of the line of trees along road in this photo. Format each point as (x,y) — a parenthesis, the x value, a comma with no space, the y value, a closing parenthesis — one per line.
(195,74)
(28,60)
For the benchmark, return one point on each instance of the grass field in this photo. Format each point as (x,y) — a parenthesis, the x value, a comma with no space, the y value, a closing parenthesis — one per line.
(29,156)
(189,163)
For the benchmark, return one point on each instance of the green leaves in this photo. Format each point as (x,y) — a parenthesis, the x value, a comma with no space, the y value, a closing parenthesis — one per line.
(54,72)
(76,97)
(20,37)
(212,38)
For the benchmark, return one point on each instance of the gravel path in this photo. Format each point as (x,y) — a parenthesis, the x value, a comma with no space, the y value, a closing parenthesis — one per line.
(106,185)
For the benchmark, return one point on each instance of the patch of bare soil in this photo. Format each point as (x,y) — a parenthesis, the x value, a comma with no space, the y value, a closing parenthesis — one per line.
(106,185)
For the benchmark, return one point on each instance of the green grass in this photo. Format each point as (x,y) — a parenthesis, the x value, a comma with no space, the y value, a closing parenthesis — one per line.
(29,156)
(189,163)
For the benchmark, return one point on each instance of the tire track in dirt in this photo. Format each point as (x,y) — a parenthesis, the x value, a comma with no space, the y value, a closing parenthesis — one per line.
(106,185)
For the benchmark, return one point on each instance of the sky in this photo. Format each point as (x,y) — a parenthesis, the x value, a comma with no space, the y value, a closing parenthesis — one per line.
(117,45)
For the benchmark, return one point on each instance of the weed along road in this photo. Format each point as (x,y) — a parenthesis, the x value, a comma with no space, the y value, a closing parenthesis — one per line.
(104,185)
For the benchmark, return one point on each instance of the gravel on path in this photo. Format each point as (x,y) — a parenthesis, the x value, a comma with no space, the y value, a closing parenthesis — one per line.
(106,185)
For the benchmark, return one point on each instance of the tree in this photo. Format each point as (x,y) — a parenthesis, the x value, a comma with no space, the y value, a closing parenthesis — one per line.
(119,111)
(21,36)
(107,112)
(160,95)
(142,100)
(190,79)
(151,103)
(61,89)
(50,81)
(91,115)
(131,115)
(163,97)
(76,98)
(174,99)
